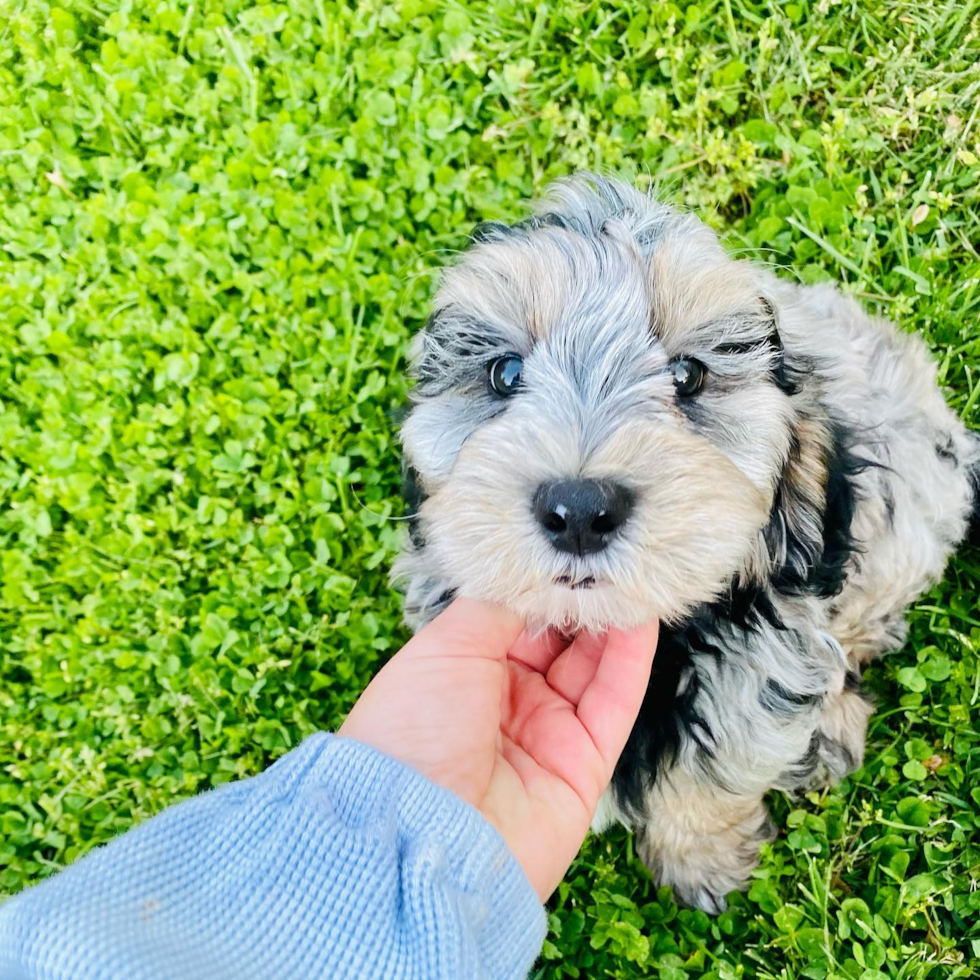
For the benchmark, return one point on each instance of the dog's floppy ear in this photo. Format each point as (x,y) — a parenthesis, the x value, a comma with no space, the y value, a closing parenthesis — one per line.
(808,538)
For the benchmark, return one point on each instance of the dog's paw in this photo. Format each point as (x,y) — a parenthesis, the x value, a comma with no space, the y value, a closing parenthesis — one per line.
(837,746)
(703,869)
(708,897)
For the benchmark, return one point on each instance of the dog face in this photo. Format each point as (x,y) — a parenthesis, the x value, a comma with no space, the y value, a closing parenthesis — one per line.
(600,424)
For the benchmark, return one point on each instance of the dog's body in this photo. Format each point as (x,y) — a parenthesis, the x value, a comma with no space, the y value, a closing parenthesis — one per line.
(614,421)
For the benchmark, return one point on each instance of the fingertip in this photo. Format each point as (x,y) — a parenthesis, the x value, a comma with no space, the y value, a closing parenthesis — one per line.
(641,640)
(627,661)
(647,632)
(609,706)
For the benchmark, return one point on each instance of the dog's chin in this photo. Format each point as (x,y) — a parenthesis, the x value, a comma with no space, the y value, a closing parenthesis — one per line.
(584,603)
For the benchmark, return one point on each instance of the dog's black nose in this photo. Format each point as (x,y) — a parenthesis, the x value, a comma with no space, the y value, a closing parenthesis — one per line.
(580,516)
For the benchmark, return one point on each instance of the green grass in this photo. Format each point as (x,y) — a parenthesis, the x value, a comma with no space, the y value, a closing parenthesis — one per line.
(217,232)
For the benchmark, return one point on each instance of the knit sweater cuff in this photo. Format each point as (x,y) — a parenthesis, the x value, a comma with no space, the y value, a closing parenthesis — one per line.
(447,849)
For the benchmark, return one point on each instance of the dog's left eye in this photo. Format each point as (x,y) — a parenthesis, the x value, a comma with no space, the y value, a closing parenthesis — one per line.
(504,374)
(688,376)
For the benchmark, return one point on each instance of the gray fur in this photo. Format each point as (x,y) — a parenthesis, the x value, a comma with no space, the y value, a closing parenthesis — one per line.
(598,294)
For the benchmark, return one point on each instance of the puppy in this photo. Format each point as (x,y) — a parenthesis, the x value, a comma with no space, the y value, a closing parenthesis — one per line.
(613,422)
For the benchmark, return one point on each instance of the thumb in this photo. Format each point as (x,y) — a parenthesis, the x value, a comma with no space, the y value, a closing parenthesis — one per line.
(469,628)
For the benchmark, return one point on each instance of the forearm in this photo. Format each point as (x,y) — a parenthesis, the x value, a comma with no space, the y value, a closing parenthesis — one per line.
(337,861)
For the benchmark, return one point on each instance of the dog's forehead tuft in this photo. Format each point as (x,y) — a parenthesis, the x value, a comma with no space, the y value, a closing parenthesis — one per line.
(693,289)
(600,252)
(535,279)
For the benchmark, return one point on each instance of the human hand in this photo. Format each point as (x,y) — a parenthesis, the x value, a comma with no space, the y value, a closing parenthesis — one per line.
(527,730)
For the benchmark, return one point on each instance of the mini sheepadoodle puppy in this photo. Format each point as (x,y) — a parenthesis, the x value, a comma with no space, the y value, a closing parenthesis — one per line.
(614,421)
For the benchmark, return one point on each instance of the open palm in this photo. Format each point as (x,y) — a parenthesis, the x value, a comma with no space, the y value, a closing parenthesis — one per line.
(525,728)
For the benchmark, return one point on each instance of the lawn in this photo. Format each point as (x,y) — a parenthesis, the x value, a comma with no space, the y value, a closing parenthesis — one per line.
(219,223)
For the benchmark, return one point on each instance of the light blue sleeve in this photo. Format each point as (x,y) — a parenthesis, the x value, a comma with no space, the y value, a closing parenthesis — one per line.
(336,862)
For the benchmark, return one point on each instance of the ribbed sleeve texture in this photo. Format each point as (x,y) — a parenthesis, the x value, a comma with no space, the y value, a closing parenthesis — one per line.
(336,862)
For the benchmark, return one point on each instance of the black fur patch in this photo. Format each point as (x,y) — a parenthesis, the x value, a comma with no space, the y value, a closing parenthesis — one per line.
(750,345)
(889,500)
(414,495)
(455,351)
(748,606)
(665,718)
(803,769)
(549,220)
(818,566)
(490,231)
(433,608)
(944,448)
(974,533)
(788,377)
(776,698)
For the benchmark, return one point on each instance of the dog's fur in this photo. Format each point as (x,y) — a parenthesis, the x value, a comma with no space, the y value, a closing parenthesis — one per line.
(784,516)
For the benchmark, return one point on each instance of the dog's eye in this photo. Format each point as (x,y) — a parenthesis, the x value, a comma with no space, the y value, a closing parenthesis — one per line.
(504,374)
(688,376)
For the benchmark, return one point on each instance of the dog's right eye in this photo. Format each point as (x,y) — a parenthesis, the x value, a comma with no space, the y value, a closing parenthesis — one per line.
(504,374)
(688,376)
